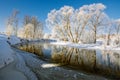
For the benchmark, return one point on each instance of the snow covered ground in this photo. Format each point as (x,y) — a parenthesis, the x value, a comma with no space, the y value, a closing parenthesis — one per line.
(12,65)
(6,53)
(30,65)
(14,40)
(98,45)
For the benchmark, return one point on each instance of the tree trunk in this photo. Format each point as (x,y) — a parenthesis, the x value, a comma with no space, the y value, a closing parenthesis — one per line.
(108,39)
(95,36)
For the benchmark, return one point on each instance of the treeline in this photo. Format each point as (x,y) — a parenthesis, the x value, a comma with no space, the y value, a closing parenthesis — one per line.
(83,24)
(31,27)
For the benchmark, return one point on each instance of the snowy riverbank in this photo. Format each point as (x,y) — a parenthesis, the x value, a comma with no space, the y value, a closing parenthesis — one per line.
(26,66)
(33,68)
(99,45)
(6,53)
(16,64)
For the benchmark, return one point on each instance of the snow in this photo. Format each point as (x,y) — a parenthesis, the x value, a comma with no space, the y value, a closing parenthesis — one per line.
(6,53)
(22,67)
(18,67)
(99,45)
(10,73)
(3,36)
(49,65)
(14,40)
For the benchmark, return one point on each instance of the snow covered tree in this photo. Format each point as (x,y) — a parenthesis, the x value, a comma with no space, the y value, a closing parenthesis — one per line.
(87,36)
(60,20)
(108,34)
(21,32)
(112,32)
(28,31)
(70,23)
(117,31)
(12,24)
(9,30)
(33,27)
(79,22)
(54,34)
(97,17)
(38,28)
(46,36)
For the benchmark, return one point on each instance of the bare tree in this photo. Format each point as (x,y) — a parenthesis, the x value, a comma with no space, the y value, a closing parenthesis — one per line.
(12,23)
(36,29)
(117,31)
(28,31)
(27,20)
(108,34)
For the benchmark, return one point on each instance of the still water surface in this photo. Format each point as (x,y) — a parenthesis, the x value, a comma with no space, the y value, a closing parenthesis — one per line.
(105,63)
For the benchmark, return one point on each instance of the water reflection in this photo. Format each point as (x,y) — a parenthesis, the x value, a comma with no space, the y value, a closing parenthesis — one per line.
(100,62)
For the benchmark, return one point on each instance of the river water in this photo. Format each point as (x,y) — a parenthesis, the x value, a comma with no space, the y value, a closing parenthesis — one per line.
(105,63)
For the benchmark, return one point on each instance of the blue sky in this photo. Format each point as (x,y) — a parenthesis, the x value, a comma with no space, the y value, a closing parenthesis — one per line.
(40,8)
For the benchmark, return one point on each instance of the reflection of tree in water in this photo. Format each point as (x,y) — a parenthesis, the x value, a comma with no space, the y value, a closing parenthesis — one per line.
(74,56)
(103,62)
(110,62)
(58,54)
(33,48)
